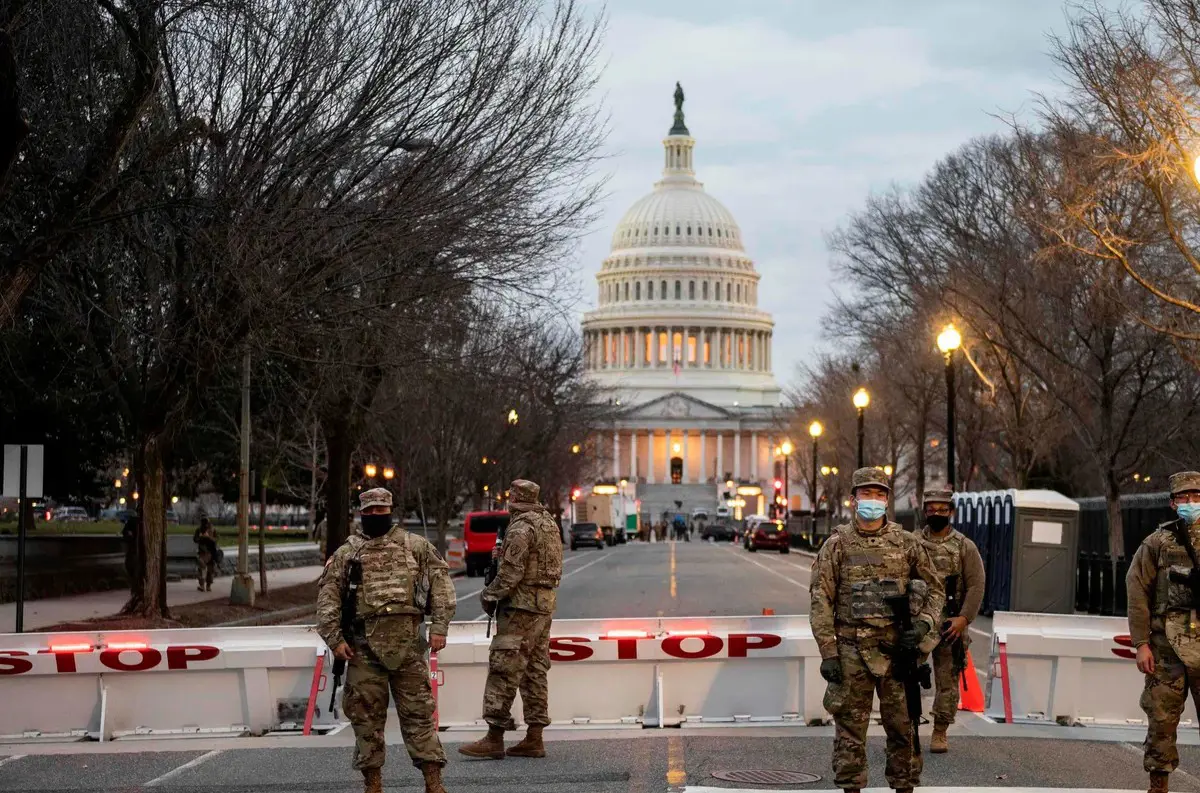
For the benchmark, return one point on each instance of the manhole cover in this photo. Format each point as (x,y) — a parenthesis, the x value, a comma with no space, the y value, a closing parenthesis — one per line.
(757,777)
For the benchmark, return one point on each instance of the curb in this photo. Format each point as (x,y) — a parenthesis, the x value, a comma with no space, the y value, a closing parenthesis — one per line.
(268,618)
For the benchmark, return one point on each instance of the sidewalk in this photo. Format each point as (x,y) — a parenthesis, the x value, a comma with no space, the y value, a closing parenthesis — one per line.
(40,613)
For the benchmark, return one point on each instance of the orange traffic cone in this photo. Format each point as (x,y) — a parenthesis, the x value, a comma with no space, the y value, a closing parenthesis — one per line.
(969,692)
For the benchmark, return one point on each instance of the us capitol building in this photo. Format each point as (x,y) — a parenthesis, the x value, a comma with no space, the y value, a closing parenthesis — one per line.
(679,344)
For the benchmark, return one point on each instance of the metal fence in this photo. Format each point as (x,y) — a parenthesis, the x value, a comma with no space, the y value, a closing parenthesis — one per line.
(1099,584)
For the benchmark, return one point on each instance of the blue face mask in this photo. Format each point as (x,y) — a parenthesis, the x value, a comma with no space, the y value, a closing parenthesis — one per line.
(871,510)
(1189,512)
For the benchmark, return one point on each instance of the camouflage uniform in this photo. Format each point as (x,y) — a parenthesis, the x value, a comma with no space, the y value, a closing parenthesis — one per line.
(1161,614)
(952,554)
(400,574)
(855,571)
(524,597)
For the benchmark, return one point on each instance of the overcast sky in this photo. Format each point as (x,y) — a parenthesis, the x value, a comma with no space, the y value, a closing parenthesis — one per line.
(800,109)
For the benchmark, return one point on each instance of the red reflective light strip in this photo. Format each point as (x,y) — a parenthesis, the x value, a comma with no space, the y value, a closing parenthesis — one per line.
(128,646)
(626,635)
(697,632)
(70,648)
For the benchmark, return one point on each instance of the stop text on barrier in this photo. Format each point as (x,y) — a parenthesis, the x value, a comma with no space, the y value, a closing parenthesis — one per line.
(634,645)
(69,659)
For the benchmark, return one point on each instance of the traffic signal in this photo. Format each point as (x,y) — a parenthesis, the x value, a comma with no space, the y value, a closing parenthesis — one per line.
(576,493)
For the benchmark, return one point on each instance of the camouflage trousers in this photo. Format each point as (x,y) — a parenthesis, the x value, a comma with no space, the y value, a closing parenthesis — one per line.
(519,659)
(945,684)
(206,568)
(1163,700)
(391,659)
(850,705)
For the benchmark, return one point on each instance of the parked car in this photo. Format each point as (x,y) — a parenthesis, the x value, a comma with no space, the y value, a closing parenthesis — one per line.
(720,530)
(767,535)
(586,534)
(69,515)
(479,538)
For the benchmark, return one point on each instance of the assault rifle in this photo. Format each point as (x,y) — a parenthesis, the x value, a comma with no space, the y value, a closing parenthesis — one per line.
(494,569)
(1192,577)
(349,615)
(906,669)
(954,608)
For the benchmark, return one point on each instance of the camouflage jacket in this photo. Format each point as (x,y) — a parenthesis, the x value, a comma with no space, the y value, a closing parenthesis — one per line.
(1152,595)
(530,562)
(956,554)
(400,571)
(855,571)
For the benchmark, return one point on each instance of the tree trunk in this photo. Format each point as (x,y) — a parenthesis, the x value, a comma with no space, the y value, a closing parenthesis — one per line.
(1116,525)
(922,440)
(149,595)
(339,449)
(443,525)
(262,535)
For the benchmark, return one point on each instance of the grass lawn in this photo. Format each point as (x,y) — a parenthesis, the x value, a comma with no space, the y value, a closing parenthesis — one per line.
(111,527)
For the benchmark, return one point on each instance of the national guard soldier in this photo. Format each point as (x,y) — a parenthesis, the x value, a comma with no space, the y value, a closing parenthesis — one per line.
(960,568)
(1162,592)
(863,566)
(403,578)
(522,597)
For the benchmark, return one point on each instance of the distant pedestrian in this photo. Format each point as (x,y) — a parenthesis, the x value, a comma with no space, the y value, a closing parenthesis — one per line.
(207,552)
(129,535)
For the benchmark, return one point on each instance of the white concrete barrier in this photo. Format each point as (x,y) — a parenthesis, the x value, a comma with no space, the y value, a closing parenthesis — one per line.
(1069,669)
(111,685)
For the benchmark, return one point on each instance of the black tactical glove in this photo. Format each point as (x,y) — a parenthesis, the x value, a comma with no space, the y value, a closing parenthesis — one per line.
(489,607)
(831,670)
(911,638)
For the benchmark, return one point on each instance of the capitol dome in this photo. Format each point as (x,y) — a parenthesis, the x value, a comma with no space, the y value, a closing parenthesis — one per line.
(678,297)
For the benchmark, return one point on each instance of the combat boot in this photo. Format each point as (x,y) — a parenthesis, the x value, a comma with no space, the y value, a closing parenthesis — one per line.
(372,780)
(433,777)
(938,743)
(1158,782)
(531,745)
(490,747)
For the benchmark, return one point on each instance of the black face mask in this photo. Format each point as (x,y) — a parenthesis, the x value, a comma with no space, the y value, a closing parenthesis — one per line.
(937,523)
(376,525)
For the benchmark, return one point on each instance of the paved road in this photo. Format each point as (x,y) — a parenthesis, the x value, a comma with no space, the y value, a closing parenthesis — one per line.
(669,579)
(634,761)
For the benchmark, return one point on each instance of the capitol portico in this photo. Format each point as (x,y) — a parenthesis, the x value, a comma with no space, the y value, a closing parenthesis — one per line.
(679,342)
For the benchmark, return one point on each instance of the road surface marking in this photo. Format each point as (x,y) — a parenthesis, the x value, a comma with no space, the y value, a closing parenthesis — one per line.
(768,569)
(579,569)
(13,759)
(676,775)
(204,758)
(672,571)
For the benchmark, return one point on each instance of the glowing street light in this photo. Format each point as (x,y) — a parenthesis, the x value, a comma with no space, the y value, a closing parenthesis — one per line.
(389,473)
(786,447)
(574,448)
(370,470)
(887,469)
(861,400)
(117,484)
(512,416)
(174,499)
(826,470)
(815,429)
(948,341)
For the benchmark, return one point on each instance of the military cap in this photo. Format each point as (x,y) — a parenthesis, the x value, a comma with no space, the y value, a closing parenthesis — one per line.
(873,475)
(375,497)
(522,491)
(1184,481)
(938,497)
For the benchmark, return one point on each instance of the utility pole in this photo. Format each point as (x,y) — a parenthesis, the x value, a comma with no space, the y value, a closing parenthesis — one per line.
(242,592)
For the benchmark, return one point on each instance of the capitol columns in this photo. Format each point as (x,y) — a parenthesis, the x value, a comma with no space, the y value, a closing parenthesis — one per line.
(703,455)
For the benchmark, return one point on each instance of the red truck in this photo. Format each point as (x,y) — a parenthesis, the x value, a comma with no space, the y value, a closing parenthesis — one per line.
(479,537)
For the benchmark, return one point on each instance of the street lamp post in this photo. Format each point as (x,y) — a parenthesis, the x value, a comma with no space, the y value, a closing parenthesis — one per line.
(948,341)
(861,400)
(815,429)
(786,450)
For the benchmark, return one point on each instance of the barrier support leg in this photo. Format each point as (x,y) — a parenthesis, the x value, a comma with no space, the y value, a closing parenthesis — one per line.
(103,709)
(1008,717)
(314,690)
